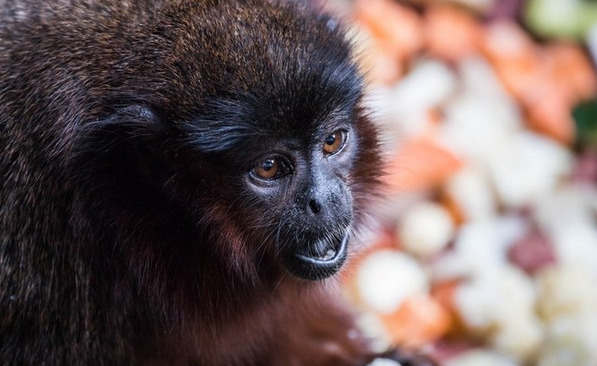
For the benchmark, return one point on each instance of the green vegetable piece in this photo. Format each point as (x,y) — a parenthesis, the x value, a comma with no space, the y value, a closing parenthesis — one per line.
(585,116)
(565,19)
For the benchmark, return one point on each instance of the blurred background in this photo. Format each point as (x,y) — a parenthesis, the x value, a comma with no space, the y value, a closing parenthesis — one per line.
(485,252)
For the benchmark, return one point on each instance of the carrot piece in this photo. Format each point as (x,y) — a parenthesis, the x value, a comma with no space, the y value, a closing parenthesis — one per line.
(453,208)
(451,33)
(420,164)
(546,81)
(419,320)
(549,112)
(505,41)
(397,27)
(571,70)
(514,55)
(380,65)
(443,293)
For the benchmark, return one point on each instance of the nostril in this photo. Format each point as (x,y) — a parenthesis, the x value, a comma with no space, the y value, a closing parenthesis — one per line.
(314,206)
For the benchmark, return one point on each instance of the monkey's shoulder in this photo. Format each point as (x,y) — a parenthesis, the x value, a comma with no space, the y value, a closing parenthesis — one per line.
(48,12)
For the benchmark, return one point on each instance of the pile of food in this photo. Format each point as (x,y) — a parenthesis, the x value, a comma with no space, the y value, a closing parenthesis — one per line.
(487,249)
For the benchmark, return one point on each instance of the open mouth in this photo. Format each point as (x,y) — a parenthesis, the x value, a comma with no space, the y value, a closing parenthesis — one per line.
(322,251)
(320,259)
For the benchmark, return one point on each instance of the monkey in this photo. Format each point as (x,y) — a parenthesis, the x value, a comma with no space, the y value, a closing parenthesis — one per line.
(180,183)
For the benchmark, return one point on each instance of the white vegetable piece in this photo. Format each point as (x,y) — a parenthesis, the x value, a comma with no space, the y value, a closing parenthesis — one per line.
(576,245)
(480,247)
(565,291)
(405,107)
(483,116)
(567,302)
(479,78)
(501,301)
(569,205)
(528,167)
(384,362)
(520,336)
(475,126)
(567,216)
(470,190)
(372,328)
(571,341)
(494,297)
(387,277)
(426,86)
(425,229)
(481,358)
(479,5)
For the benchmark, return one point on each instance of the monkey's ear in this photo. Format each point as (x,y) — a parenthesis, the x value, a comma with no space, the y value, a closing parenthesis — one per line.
(129,138)
(128,122)
(128,125)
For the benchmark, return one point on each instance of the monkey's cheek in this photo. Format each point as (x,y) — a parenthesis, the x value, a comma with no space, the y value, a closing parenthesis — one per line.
(317,264)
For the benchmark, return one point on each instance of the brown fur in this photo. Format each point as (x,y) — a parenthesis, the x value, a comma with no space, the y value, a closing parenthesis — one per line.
(120,243)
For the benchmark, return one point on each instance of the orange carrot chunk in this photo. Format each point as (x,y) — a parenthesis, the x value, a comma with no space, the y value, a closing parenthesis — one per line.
(420,164)
(451,33)
(419,320)
(397,27)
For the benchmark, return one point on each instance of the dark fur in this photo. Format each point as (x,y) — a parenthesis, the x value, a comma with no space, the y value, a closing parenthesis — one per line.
(125,237)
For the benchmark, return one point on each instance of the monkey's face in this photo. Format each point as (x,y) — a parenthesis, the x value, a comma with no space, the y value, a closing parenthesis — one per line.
(303,193)
(286,178)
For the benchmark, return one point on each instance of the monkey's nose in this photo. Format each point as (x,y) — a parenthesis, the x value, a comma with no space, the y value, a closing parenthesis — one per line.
(314,206)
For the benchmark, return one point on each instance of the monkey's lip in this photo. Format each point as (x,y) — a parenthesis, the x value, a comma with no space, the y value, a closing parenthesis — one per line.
(319,260)
(326,254)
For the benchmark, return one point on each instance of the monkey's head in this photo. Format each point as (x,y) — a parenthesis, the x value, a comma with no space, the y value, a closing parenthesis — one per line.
(252,140)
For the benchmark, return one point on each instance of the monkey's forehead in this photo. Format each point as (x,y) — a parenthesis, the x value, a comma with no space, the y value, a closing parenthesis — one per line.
(278,56)
(190,60)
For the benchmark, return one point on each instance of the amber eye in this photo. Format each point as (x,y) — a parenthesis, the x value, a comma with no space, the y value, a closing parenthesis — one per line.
(334,142)
(267,169)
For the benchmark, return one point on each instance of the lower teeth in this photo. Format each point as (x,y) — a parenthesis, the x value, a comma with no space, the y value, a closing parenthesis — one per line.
(329,255)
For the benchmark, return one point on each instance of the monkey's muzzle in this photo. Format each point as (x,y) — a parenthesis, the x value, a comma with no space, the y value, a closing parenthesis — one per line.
(320,259)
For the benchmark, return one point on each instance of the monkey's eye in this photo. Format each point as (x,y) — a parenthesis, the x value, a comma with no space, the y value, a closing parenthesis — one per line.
(271,168)
(335,142)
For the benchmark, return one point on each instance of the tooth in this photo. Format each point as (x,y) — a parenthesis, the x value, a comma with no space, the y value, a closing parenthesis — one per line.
(329,254)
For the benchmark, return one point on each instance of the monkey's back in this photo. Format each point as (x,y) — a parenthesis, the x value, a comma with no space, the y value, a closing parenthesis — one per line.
(66,64)
(62,64)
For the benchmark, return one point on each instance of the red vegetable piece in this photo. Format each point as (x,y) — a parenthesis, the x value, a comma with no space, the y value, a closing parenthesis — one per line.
(532,253)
